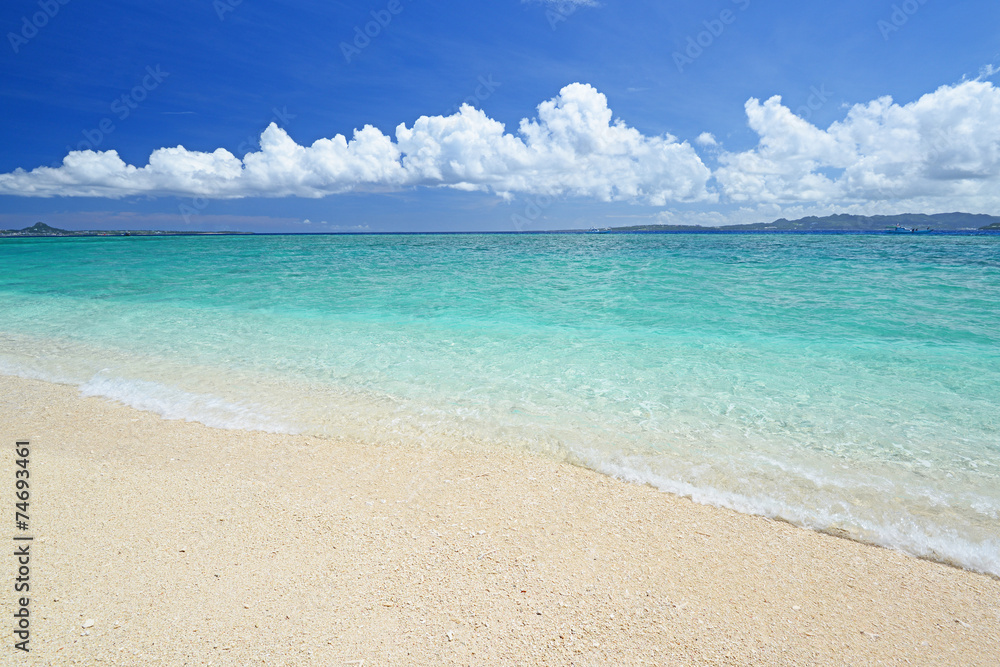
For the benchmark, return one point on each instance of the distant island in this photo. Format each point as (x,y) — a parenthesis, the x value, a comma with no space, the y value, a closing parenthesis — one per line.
(945,222)
(41,229)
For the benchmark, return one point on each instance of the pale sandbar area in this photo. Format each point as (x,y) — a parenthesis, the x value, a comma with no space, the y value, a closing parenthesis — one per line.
(188,545)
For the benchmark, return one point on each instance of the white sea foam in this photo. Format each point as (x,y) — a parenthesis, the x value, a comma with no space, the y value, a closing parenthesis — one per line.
(381,417)
(74,364)
(19,369)
(172,403)
(901,532)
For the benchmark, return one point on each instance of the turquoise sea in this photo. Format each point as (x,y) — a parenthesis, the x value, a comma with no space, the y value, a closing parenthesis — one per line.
(847,383)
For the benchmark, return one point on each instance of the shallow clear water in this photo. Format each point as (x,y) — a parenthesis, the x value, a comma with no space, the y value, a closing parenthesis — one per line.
(847,383)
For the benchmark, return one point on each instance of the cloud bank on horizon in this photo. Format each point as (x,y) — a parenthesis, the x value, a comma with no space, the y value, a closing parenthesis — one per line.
(941,151)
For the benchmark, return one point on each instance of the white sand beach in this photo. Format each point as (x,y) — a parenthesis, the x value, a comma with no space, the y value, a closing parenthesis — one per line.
(170,543)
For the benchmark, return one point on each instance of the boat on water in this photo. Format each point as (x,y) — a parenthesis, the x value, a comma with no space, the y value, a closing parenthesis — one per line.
(899,229)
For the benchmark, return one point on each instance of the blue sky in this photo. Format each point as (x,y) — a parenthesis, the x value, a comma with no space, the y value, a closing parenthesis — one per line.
(653,112)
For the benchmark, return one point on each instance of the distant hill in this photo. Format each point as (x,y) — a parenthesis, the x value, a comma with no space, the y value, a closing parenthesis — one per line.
(41,229)
(844,222)
(37,229)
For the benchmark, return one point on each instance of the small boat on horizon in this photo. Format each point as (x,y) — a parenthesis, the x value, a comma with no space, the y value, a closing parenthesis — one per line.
(899,229)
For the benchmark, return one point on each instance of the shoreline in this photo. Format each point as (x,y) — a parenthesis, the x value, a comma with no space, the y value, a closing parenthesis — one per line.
(187,544)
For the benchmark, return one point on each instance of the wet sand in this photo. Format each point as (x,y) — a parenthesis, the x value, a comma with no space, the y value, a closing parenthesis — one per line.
(168,542)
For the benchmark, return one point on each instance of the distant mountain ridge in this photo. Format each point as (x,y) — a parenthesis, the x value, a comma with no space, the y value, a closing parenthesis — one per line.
(41,229)
(949,222)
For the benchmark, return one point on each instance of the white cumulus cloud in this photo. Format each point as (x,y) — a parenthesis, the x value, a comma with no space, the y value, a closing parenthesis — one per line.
(940,151)
(706,139)
(573,147)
